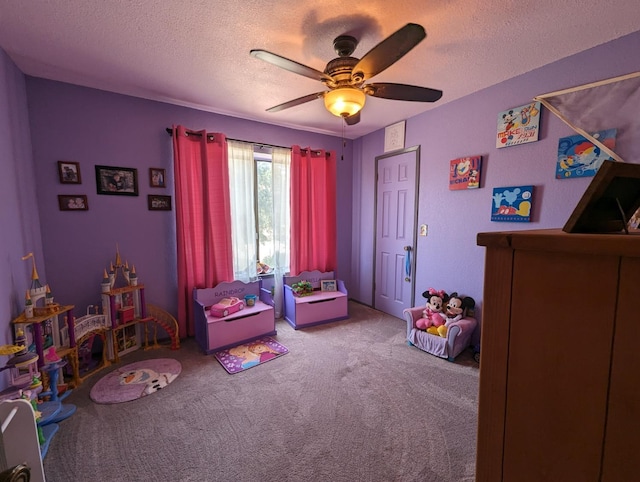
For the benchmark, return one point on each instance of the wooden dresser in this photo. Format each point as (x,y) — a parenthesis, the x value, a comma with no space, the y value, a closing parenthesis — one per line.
(560,357)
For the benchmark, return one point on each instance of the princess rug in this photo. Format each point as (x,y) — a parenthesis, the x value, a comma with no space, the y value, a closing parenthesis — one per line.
(245,356)
(135,380)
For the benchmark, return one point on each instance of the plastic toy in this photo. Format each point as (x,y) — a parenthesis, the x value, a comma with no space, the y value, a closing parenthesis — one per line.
(226,306)
(214,333)
(263,268)
(455,309)
(23,364)
(432,316)
(250,300)
(302,288)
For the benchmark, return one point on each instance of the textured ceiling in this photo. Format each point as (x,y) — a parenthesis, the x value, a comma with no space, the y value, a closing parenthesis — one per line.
(196,53)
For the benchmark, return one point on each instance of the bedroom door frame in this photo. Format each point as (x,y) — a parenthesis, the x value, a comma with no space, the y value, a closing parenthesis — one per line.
(412,242)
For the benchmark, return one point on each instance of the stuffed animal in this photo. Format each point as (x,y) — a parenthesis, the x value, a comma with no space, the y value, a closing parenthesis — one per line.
(455,309)
(432,316)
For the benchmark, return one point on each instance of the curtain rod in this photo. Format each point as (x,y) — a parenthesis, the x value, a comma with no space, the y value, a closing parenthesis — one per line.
(260,144)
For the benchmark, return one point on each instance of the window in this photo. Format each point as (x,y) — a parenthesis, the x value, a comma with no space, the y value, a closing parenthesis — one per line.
(259,189)
(264,212)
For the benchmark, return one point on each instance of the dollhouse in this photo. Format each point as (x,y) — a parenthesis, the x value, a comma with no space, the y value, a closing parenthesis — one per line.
(124,324)
(23,365)
(124,308)
(55,337)
(46,325)
(50,343)
(45,338)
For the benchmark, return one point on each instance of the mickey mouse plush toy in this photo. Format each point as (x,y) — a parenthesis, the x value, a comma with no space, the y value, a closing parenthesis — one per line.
(432,316)
(455,309)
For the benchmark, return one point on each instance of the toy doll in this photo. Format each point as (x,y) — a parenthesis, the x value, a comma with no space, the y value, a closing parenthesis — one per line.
(455,309)
(432,316)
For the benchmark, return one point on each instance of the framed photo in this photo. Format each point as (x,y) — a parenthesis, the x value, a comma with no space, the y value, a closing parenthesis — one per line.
(117,180)
(159,203)
(69,172)
(73,202)
(328,285)
(156,177)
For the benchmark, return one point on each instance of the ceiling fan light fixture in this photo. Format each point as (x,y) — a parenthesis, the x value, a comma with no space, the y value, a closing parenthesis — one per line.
(344,101)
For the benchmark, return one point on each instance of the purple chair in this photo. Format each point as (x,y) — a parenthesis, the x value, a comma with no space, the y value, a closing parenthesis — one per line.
(458,335)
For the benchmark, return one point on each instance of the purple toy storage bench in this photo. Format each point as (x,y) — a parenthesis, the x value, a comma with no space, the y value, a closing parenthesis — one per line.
(458,335)
(213,334)
(267,288)
(318,307)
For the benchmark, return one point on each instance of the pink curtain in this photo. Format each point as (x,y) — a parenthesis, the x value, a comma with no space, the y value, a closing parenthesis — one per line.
(203,217)
(313,210)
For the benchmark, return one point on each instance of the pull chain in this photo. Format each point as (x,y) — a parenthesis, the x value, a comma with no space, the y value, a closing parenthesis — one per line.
(344,121)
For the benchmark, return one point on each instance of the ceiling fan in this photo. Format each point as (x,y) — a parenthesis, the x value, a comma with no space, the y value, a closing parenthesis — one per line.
(345,76)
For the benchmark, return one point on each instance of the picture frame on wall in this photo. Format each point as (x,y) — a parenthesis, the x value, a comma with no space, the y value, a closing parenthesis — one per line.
(518,125)
(117,180)
(69,172)
(73,202)
(157,177)
(579,157)
(465,173)
(159,203)
(512,204)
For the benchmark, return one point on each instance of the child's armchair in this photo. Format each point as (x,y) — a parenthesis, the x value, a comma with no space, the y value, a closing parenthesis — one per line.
(458,335)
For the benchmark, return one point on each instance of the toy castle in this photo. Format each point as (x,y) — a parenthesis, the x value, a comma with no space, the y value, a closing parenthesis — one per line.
(36,293)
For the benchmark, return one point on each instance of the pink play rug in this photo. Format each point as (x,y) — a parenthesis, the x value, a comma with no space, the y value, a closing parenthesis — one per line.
(135,380)
(248,355)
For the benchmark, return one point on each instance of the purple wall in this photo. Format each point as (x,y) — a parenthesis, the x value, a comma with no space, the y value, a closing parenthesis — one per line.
(18,206)
(448,258)
(94,127)
(66,122)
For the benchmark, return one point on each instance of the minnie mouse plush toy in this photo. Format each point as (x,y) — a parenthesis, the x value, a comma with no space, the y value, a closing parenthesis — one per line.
(432,316)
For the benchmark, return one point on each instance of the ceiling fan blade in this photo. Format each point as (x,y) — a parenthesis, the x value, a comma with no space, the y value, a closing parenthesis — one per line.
(294,102)
(385,90)
(290,65)
(387,52)
(352,119)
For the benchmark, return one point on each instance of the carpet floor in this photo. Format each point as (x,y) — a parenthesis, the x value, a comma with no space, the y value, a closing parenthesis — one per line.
(351,401)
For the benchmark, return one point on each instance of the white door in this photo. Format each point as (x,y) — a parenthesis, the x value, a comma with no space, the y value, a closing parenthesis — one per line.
(396,218)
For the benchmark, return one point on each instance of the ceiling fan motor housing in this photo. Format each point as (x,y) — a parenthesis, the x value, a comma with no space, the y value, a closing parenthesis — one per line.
(340,70)
(345,98)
